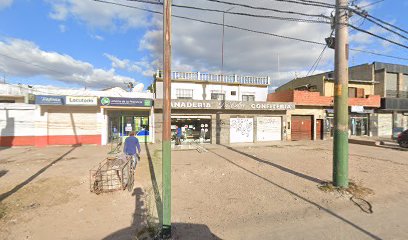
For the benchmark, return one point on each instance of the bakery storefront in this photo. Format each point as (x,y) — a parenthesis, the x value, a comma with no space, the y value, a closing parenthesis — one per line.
(225,122)
(124,115)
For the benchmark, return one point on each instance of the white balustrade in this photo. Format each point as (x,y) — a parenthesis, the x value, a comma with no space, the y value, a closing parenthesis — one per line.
(199,76)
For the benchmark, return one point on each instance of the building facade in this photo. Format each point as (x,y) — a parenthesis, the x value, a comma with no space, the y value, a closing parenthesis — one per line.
(220,109)
(73,117)
(313,96)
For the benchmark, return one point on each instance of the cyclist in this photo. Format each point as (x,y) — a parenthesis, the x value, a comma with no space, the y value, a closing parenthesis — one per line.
(131,143)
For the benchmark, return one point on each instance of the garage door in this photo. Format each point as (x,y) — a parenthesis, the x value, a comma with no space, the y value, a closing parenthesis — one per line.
(241,130)
(302,128)
(269,129)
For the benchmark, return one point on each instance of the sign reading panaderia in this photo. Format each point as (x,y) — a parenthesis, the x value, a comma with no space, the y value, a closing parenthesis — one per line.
(125,102)
(49,100)
(83,101)
(228,105)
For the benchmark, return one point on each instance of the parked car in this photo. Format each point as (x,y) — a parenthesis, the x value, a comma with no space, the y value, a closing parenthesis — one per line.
(403,139)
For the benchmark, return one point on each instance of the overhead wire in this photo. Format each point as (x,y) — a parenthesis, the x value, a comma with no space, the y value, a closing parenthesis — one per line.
(244,14)
(378,36)
(316,63)
(246,29)
(267,9)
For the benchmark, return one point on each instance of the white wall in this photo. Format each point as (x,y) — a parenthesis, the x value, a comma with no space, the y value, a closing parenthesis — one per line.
(260,93)
(17,119)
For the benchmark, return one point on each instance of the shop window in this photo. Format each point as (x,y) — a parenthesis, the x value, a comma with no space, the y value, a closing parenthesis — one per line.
(233,93)
(184,93)
(248,98)
(218,96)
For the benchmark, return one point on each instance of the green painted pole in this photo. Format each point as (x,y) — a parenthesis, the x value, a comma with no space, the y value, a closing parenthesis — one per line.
(166,139)
(341,118)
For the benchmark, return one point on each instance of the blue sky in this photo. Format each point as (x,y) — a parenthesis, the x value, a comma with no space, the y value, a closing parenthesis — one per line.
(82,43)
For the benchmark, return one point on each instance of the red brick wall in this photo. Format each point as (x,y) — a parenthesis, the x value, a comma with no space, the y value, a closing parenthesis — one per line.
(281,96)
(311,98)
(314,99)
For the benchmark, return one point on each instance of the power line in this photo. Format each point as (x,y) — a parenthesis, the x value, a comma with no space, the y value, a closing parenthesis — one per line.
(366,15)
(380,25)
(246,29)
(244,14)
(370,4)
(316,63)
(378,36)
(308,3)
(267,9)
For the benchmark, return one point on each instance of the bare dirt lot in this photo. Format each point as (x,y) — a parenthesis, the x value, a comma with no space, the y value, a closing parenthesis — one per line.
(238,192)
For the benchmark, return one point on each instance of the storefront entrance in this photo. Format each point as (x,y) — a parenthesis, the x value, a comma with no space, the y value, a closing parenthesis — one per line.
(194,128)
(359,125)
(122,123)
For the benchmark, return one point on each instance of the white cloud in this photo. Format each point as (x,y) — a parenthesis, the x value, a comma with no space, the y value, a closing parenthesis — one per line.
(97,14)
(142,66)
(5,3)
(25,59)
(98,37)
(62,28)
(197,46)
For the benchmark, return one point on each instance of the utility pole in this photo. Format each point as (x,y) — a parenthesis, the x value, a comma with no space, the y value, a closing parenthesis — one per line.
(340,139)
(166,137)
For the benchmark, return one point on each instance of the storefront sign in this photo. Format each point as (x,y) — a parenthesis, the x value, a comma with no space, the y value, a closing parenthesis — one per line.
(83,101)
(357,109)
(49,100)
(126,102)
(229,105)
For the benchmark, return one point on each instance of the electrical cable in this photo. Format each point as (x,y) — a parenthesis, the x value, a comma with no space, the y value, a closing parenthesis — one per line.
(365,13)
(316,63)
(382,26)
(242,13)
(267,9)
(378,36)
(246,29)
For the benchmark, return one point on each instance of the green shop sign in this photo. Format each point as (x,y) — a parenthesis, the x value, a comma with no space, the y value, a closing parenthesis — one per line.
(125,102)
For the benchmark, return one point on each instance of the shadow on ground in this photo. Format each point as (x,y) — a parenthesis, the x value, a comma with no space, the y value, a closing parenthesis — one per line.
(143,228)
(328,211)
(28,180)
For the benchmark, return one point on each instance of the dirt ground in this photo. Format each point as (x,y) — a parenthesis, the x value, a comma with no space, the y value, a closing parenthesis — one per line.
(238,192)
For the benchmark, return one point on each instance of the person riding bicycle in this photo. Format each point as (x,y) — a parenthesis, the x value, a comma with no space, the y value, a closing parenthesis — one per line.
(131,143)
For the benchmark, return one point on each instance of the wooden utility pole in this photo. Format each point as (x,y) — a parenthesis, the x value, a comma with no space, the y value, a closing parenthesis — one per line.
(166,139)
(341,118)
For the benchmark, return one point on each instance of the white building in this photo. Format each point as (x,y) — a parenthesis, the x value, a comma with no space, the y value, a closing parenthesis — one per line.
(41,116)
(221,109)
(205,86)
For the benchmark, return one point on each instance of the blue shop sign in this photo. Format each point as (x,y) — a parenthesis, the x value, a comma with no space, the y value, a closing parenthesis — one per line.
(49,100)
(127,102)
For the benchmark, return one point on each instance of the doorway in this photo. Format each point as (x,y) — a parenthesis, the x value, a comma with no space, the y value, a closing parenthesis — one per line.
(122,123)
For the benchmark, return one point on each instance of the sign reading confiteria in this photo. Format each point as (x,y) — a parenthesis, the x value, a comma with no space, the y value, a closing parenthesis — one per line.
(125,102)
(83,101)
(49,100)
(228,105)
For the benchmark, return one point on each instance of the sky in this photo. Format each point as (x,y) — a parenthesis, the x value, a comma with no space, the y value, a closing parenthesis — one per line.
(90,44)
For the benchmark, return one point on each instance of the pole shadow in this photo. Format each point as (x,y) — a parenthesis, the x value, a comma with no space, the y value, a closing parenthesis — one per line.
(3,172)
(282,168)
(28,180)
(140,227)
(156,189)
(330,212)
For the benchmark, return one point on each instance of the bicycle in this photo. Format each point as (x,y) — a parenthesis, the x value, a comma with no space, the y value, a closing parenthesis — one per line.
(132,159)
